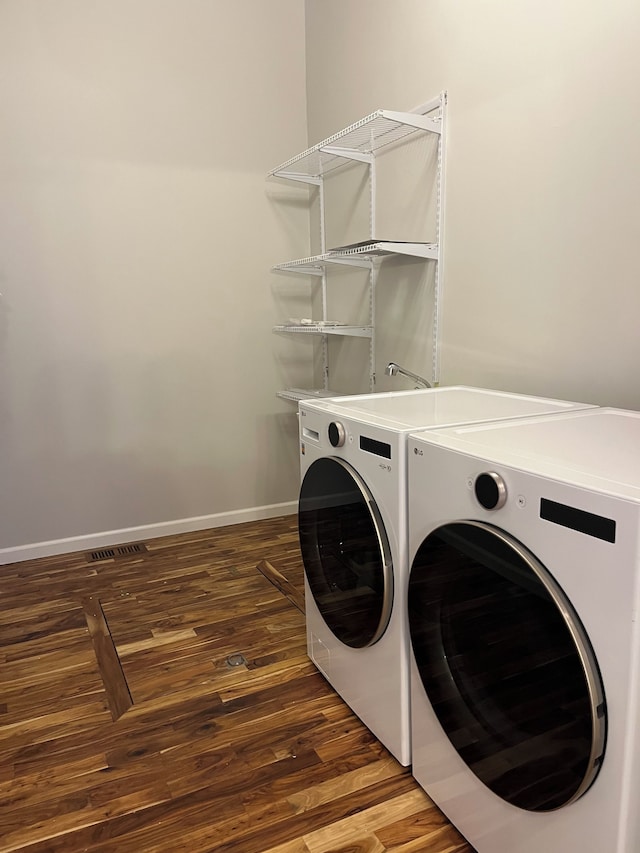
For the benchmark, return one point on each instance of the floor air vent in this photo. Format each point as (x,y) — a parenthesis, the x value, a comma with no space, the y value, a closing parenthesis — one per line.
(136,548)
(118,551)
(104,554)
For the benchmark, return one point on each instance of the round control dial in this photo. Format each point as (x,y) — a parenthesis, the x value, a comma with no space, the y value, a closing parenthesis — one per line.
(337,434)
(490,490)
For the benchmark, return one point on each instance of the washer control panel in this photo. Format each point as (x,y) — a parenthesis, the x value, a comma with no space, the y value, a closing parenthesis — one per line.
(490,490)
(336,433)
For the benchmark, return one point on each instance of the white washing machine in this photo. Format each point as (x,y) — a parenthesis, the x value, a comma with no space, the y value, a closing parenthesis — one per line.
(523,607)
(353,536)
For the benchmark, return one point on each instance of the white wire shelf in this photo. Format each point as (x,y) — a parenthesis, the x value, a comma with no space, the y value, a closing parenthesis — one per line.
(357,141)
(324,329)
(312,266)
(373,249)
(360,254)
(297,394)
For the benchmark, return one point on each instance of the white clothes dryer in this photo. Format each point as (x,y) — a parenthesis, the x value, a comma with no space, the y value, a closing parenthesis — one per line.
(353,537)
(524,606)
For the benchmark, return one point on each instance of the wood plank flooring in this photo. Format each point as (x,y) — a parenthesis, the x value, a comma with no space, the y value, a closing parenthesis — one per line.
(262,757)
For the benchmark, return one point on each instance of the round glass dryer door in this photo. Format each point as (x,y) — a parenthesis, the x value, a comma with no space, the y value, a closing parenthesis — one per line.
(506,666)
(345,552)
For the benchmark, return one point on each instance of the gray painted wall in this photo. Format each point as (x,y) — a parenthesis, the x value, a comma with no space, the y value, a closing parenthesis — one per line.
(543,188)
(137,365)
(137,369)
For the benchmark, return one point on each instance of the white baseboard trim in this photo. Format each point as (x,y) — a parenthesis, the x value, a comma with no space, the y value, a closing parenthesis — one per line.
(92,541)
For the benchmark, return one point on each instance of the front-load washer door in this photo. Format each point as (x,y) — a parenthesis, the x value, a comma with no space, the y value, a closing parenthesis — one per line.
(506,666)
(346,552)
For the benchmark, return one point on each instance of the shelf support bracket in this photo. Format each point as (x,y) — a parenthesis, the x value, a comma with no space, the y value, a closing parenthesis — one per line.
(295,176)
(347,153)
(418,121)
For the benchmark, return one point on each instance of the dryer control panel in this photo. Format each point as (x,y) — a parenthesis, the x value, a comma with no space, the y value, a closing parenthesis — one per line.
(337,434)
(490,490)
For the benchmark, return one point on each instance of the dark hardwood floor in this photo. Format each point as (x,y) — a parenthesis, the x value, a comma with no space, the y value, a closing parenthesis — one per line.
(164,701)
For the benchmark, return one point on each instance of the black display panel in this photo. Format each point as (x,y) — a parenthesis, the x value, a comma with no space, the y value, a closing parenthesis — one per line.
(371,445)
(578,519)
